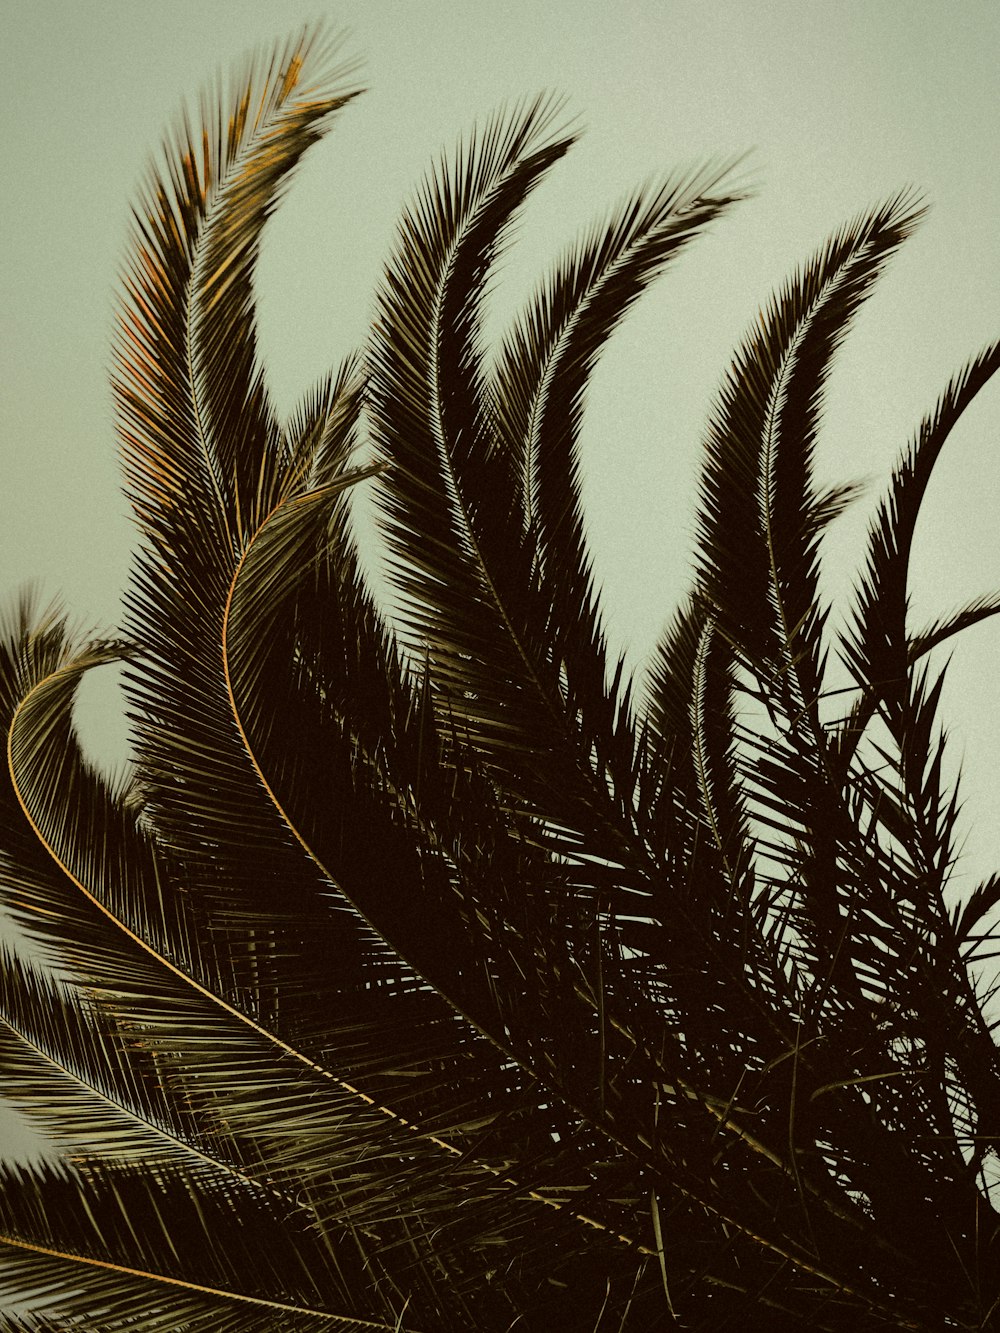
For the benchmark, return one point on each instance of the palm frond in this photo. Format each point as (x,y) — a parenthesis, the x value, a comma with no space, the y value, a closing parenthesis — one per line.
(941,630)
(188,383)
(230,1063)
(150,1254)
(96,1094)
(877,649)
(547,715)
(758,562)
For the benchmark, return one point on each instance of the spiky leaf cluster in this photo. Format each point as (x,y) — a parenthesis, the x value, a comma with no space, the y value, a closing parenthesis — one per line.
(425,973)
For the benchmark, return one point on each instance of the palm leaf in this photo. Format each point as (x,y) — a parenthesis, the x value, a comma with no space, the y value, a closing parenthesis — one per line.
(288,1114)
(877,649)
(760,561)
(126,1243)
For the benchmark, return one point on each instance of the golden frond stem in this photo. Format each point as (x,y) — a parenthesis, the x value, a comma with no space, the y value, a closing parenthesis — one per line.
(67,1256)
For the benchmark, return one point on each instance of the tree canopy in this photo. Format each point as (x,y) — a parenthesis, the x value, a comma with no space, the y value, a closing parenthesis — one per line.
(426,971)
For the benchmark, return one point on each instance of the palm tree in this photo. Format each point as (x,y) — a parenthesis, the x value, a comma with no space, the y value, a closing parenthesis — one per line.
(426,973)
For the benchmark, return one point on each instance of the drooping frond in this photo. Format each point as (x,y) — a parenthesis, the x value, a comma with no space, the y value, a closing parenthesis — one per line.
(152,1254)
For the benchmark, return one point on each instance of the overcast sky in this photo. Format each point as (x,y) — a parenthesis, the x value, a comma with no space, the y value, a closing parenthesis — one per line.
(841,103)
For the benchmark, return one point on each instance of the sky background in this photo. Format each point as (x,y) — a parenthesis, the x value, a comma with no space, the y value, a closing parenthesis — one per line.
(841,103)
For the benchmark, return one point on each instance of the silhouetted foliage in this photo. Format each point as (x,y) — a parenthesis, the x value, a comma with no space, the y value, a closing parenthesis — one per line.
(425,972)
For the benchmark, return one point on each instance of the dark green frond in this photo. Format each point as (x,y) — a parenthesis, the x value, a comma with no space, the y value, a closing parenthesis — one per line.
(152,1255)
(877,649)
(940,631)
(96,1094)
(758,519)
(199,438)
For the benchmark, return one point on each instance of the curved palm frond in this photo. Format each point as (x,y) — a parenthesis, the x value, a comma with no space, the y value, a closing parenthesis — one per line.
(154,1254)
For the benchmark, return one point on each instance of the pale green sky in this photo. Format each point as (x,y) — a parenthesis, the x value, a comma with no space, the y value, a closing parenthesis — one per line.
(842,102)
